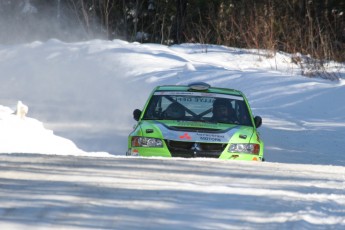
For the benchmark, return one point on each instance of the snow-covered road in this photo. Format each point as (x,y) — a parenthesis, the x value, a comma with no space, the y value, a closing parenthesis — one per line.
(71,192)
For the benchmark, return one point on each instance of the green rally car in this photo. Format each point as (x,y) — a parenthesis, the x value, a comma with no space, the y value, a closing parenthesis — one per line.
(196,120)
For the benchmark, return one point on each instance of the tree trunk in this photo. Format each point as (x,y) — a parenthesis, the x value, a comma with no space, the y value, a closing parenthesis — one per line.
(181,10)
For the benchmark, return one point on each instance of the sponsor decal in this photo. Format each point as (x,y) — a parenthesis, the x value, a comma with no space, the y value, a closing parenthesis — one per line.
(219,137)
(209,137)
(197,124)
(199,94)
(185,136)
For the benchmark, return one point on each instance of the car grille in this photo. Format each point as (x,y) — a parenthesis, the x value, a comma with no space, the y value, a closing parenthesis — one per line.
(194,149)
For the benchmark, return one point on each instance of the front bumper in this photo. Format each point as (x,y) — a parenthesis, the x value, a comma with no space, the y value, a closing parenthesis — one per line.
(192,150)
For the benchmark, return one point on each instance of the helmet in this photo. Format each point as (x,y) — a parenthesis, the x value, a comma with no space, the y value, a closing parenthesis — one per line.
(175,111)
(222,109)
(219,102)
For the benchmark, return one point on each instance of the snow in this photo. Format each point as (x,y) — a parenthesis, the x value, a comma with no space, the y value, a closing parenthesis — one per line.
(63,166)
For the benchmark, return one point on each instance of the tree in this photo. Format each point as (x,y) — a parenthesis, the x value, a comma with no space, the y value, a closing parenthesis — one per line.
(180,20)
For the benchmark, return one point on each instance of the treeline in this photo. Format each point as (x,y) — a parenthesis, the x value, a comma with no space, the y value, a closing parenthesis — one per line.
(314,27)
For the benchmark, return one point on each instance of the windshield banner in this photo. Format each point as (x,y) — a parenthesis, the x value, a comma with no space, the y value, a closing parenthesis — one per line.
(199,94)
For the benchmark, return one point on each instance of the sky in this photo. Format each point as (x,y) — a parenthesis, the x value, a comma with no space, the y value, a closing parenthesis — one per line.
(64,164)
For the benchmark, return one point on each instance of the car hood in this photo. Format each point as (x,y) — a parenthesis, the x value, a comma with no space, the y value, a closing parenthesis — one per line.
(190,131)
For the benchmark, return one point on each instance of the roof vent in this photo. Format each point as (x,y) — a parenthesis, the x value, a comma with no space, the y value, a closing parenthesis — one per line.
(199,86)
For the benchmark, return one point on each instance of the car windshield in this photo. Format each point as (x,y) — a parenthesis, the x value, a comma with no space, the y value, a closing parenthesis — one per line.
(197,106)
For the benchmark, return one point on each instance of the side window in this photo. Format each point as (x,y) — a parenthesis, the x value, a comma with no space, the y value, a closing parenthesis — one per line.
(155,108)
(242,113)
(152,110)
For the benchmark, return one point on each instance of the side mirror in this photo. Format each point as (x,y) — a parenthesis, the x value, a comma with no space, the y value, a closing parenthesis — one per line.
(136,114)
(257,121)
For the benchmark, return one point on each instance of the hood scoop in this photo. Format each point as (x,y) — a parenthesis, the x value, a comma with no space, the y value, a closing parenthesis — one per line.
(149,130)
(243,136)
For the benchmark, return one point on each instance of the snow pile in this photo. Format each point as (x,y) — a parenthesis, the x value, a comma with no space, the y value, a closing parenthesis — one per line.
(28,135)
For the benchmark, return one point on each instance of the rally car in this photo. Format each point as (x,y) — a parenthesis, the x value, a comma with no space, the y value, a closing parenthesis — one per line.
(196,120)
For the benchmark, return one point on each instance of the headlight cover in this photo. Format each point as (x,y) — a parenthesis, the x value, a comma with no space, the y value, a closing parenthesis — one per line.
(146,142)
(244,148)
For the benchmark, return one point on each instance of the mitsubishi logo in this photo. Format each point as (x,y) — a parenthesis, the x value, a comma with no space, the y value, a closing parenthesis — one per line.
(196,147)
(186,136)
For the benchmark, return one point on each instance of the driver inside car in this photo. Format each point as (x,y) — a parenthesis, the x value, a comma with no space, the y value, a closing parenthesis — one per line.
(223,111)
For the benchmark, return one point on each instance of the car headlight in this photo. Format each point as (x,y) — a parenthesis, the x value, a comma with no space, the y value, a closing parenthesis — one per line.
(244,148)
(146,142)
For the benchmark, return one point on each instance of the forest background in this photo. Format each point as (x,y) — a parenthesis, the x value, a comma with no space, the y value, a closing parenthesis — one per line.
(311,27)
